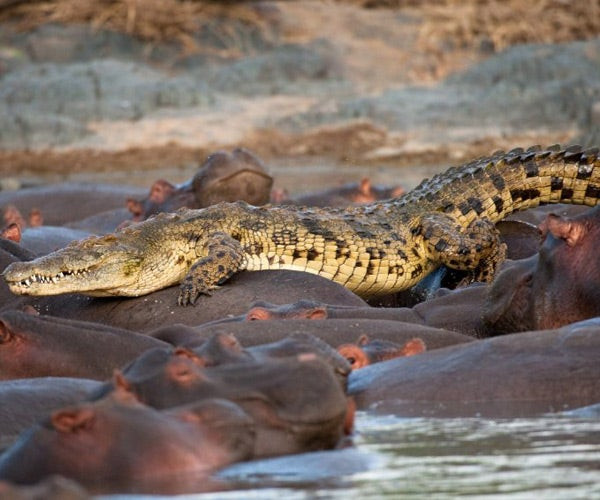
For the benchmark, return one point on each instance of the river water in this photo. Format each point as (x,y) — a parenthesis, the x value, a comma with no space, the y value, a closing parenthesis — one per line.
(551,457)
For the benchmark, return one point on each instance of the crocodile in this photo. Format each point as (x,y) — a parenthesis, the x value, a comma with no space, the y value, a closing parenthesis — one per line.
(374,249)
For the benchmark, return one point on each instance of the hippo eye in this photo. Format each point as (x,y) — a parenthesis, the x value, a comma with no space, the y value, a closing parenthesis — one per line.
(351,360)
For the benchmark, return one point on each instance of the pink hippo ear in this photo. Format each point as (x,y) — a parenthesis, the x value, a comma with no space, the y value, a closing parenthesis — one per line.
(12,232)
(365,186)
(5,333)
(36,218)
(414,346)
(188,354)
(120,382)
(258,313)
(160,191)
(135,207)
(570,231)
(317,313)
(397,191)
(184,369)
(124,391)
(363,339)
(365,192)
(355,355)
(72,420)
(230,342)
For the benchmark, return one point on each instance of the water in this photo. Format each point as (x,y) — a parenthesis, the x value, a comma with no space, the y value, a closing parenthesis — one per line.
(552,457)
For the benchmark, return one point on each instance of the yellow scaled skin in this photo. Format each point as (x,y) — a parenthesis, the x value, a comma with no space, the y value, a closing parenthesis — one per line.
(373,249)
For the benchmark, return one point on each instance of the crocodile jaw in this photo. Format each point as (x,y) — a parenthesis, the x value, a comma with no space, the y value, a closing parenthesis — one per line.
(72,270)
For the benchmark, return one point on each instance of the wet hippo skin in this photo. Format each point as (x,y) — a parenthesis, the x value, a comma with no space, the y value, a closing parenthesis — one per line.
(514,375)
(38,346)
(106,445)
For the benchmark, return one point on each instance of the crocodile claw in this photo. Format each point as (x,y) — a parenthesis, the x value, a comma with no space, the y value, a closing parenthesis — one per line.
(189,294)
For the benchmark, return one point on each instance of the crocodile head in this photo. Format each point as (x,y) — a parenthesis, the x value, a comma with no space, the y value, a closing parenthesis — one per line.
(99,266)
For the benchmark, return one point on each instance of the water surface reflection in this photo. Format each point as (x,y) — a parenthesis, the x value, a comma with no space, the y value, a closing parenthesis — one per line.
(546,457)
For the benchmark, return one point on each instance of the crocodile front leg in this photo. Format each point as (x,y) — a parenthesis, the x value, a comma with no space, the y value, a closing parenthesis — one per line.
(476,248)
(224,258)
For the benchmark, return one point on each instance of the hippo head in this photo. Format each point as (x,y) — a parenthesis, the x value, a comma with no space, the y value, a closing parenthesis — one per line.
(565,283)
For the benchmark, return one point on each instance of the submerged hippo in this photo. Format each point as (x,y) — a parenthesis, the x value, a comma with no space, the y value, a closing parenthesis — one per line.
(25,401)
(515,375)
(118,444)
(366,351)
(297,402)
(239,175)
(41,346)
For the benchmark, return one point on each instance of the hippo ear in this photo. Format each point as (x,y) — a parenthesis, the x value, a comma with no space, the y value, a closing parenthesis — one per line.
(160,191)
(72,420)
(365,186)
(397,191)
(5,333)
(570,231)
(180,369)
(413,346)
(183,352)
(135,207)
(12,232)
(354,355)
(124,391)
(318,313)
(363,339)
(120,382)
(229,341)
(36,218)
(279,195)
(258,313)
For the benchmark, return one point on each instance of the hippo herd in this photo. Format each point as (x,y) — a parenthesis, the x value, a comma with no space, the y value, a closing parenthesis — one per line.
(111,395)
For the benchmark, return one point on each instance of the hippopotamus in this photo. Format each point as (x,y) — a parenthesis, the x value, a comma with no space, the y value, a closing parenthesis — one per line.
(10,215)
(556,286)
(332,331)
(366,351)
(357,193)
(224,348)
(515,375)
(39,346)
(105,445)
(159,308)
(297,402)
(456,310)
(43,239)
(239,175)
(25,401)
(56,201)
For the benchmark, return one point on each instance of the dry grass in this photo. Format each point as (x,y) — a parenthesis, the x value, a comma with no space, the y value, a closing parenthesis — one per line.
(469,23)
(447,24)
(150,20)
